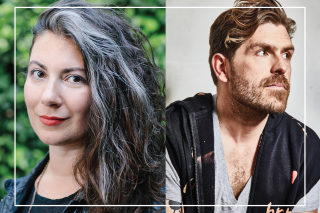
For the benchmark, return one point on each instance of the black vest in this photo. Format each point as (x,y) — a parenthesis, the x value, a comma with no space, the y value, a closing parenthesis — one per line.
(190,144)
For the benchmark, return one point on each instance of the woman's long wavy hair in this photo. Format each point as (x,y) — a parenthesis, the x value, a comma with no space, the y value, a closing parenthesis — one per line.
(123,156)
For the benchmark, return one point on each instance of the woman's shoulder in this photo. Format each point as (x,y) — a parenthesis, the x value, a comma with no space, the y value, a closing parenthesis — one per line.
(158,206)
(7,203)
(23,187)
(23,182)
(9,184)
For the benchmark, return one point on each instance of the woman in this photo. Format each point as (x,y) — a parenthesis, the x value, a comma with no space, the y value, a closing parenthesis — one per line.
(93,94)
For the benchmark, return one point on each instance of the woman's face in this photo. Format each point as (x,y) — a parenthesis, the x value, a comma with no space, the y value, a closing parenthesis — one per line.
(56,91)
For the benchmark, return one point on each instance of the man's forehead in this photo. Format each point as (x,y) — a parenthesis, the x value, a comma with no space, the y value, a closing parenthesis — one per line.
(274,35)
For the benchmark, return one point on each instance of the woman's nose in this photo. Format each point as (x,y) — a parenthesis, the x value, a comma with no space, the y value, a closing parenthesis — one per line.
(51,95)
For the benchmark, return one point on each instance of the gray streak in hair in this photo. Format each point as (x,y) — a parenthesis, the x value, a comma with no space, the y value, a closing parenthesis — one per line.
(125,135)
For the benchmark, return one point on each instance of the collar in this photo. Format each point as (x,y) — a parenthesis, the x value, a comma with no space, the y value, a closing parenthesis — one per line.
(27,181)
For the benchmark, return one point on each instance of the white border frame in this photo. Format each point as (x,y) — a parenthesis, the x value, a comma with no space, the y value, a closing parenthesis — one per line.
(15,109)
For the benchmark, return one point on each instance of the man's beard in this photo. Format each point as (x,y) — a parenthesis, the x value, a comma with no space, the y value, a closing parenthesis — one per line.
(250,94)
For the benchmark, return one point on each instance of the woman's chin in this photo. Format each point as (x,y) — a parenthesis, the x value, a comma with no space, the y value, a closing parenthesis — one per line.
(51,142)
(57,141)
(61,138)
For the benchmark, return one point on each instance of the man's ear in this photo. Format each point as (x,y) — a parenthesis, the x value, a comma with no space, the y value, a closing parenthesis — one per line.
(219,65)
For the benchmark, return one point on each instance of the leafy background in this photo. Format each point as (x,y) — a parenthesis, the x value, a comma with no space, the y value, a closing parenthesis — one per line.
(29,148)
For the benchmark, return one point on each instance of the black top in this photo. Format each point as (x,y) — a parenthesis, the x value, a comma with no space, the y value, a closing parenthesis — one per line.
(25,189)
(39,200)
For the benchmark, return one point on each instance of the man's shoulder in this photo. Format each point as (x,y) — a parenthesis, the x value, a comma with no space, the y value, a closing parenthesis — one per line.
(299,128)
(191,104)
(297,132)
(178,113)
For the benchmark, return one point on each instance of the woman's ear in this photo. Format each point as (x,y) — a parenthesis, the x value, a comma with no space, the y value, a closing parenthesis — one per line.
(219,64)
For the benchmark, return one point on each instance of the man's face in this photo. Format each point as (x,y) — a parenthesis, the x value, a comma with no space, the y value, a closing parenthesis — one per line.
(260,70)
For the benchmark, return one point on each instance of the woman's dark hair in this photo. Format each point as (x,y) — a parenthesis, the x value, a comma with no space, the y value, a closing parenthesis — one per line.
(123,157)
(236,25)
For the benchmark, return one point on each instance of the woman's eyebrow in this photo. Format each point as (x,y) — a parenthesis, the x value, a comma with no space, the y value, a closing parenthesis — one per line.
(38,63)
(66,70)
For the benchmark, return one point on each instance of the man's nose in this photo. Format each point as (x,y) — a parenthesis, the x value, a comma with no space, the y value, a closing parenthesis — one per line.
(280,65)
(51,95)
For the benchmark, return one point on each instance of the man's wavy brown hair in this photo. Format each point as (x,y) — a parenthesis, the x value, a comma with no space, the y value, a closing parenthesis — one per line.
(236,25)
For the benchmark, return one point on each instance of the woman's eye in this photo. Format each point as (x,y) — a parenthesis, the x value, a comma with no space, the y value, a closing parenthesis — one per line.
(38,74)
(76,79)
(262,53)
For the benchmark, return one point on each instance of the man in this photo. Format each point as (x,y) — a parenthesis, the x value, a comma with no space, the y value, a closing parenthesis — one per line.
(239,147)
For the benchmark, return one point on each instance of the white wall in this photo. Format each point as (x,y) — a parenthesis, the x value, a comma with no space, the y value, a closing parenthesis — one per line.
(188,71)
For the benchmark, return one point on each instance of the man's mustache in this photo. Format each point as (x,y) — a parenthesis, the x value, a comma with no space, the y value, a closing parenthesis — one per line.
(276,79)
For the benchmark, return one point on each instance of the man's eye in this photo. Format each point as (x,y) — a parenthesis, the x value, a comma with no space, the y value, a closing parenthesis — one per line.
(286,55)
(262,53)
(38,74)
(76,79)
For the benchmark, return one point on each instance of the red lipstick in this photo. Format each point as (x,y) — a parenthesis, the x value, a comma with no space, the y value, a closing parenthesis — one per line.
(51,121)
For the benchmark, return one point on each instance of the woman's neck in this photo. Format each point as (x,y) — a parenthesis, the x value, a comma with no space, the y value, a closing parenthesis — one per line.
(58,180)
(63,159)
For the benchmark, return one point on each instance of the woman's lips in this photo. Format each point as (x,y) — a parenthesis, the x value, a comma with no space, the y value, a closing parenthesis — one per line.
(51,121)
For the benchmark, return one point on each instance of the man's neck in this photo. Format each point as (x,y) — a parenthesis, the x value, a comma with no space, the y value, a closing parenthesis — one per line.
(240,128)
(239,122)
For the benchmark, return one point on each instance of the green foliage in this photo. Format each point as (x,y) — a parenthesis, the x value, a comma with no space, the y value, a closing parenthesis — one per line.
(29,148)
